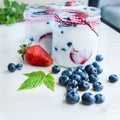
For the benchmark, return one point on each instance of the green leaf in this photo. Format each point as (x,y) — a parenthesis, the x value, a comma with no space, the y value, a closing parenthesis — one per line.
(10,20)
(49,82)
(35,74)
(6,3)
(36,79)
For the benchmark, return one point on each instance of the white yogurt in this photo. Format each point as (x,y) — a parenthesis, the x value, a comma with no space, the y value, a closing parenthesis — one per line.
(73,45)
(38,21)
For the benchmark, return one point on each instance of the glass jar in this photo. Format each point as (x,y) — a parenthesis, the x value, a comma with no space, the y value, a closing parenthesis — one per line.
(38,20)
(75,38)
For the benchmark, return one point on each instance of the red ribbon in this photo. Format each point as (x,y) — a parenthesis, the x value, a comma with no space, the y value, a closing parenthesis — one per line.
(75,19)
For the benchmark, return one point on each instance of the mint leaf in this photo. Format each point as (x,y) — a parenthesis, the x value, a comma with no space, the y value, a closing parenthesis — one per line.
(6,3)
(49,81)
(36,79)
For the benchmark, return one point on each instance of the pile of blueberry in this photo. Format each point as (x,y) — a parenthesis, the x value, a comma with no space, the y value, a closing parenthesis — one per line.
(13,67)
(80,79)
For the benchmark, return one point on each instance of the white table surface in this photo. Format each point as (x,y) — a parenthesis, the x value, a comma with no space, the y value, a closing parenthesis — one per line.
(43,104)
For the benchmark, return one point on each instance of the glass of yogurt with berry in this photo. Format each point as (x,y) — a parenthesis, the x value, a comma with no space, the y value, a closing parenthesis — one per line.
(38,21)
(75,38)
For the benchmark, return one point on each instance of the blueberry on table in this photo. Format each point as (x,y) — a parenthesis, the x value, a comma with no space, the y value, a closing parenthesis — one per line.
(93,78)
(76,77)
(99,58)
(72,97)
(11,67)
(67,72)
(72,83)
(55,69)
(99,98)
(19,66)
(113,78)
(83,85)
(70,88)
(88,98)
(63,80)
(97,86)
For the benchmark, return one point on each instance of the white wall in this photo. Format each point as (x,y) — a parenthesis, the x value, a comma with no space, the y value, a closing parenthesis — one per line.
(40,1)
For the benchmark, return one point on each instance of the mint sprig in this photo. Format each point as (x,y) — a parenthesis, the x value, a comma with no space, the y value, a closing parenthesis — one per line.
(36,79)
(12,12)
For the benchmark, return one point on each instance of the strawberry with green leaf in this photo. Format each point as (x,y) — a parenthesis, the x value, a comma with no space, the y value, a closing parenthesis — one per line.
(35,55)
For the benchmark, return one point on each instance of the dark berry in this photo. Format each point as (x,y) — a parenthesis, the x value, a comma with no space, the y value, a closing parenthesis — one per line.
(71,69)
(88,98)
(96,64)
(113,78)
(55,69)
(11,67)
(70,88)
(76,77)
(99,70)
(84,76)
(97,86)
(99,58)
(48,23)
(93,78)
(81,68)
(90,69)
(72,97)
(62,32)
(63,49)
(67,72)
(56,48)
(63,80)
(19,66)
(99,98)
(72,83)
(69,44)
(83,85)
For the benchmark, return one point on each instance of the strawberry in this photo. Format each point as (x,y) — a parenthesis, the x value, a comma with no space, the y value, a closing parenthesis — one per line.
(35,55)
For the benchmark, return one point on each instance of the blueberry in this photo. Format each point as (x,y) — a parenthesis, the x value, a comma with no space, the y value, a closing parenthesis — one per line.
(62,32)
(56,48)
(113,78)
(72,97)
(55,69)
(71,69)
(19,66)
(69,44)
(72,83)
(93,78)
(96,64)
(63,80)
(99,58)
(83,85)
(90,69)
(99,98)
(84,76)
(97,86)
(63,49)
(31,38)
(81,68)
(76,77)
(88,98)
(67,72)
(48,23)
(11,67)
(99,70)
(70,88)
(78,71)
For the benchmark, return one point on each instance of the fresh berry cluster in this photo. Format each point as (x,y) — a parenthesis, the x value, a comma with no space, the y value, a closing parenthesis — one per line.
(12,67)
(80,79)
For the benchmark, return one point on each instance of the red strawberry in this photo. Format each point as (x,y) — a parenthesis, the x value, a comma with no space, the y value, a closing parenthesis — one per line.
(36,55)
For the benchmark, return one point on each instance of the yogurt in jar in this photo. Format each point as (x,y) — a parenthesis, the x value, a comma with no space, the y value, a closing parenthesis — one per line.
(75,39)
(38,20)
